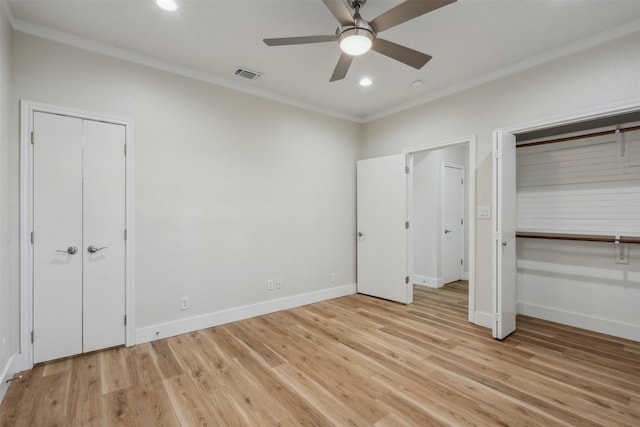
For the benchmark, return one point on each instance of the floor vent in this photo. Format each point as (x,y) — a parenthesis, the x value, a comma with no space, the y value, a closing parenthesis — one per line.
(248,74)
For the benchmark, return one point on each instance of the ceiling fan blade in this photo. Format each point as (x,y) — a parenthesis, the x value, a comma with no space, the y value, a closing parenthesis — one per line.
(340,11)
(341,68)
(285,41)
(401,53)
(405,11)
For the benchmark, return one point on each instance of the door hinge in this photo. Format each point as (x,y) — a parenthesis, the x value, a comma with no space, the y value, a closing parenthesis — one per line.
(462,181)
(125,320)
(406,170)
(406,225)
(406,280)
(461,221)
(125,149)
(496,317)
(125,234)
(31,337)
(32,237)
(497,154)
(33,137)
(461,262)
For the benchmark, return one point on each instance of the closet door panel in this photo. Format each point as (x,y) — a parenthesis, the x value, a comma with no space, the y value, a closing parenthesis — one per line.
(57,225)
(104,245)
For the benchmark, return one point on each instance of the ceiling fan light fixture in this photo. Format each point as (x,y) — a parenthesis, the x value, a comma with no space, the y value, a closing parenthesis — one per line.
(355,41)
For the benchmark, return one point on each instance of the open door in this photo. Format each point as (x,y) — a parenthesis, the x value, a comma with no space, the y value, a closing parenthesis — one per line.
(383,270)
(504,239)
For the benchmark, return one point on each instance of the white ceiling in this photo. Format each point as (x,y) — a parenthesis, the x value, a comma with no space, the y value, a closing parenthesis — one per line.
(471,41)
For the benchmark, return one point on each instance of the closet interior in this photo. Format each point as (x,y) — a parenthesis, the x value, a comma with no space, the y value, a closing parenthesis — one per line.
(578,225)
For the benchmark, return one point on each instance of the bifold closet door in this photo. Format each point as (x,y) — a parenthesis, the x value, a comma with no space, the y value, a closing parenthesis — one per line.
(78,248)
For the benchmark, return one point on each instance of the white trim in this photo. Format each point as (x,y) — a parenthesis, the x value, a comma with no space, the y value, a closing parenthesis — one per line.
(608,110)
(10,368)
(597,324)
(429,282)
(27,108)
(137,58)
(183,326)
(579,46)
(471,143)
(483,319)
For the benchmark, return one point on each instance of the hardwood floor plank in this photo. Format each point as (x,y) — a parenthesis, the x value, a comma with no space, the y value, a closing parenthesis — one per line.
(85,409)
(114,370)
(165,359)
(350,361)
(191,407)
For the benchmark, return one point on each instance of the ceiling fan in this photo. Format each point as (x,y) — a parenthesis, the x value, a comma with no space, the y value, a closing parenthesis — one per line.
(356,35)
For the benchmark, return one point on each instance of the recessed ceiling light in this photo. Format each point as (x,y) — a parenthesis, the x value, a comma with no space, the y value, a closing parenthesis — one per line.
(169,5)
(365,82)
(417,83)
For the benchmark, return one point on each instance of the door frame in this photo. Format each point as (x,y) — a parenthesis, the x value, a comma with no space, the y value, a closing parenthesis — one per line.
(444,165)
(592,113)
(27,108)
(470,143)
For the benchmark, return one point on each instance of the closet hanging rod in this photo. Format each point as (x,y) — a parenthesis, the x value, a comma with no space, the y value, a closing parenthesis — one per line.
(573,138)
(579,237)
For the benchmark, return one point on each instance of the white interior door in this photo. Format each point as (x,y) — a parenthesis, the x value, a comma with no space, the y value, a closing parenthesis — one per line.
(382,234)
(504,241)
(452,228)
(104,225)
(78,247)
(57,236)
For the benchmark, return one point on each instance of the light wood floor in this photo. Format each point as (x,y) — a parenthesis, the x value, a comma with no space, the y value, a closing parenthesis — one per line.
(354,360)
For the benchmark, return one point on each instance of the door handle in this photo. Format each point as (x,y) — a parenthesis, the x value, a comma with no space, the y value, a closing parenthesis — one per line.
(71,250)
(504,243)
(447,231)
(360,234)
(93,249)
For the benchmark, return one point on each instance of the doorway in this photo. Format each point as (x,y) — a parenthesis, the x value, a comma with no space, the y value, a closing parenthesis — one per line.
(441,203)
(76,213)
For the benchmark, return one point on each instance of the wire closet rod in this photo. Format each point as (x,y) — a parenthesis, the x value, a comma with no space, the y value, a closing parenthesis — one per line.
(579,237)
(573,138)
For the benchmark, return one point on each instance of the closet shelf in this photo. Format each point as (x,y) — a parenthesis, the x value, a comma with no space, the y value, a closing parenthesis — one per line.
(579,237)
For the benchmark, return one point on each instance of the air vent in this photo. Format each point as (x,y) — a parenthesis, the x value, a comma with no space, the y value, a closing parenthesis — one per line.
(247,74)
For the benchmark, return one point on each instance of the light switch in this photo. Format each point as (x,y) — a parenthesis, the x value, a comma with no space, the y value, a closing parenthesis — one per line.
(484,212)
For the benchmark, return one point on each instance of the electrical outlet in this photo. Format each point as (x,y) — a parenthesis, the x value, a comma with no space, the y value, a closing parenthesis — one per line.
(270,284)
(332,277)
(184,303)
(278,283)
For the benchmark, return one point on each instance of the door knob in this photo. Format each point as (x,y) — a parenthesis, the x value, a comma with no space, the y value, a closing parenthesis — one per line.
(71,250)
(93,249)
(360,234)
(504,243)
(447,231)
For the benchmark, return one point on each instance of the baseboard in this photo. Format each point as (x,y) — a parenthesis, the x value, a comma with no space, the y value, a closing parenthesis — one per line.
(430,282)
(483,319)
(10,368)
(466,275)
(183,326)
(596,324)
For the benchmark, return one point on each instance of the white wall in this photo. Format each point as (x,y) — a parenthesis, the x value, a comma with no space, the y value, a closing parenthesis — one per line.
(9,290)
(427,206)
(230,189)
(602,75)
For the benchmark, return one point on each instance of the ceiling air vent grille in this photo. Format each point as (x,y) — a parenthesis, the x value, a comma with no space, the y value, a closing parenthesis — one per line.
(247,74)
